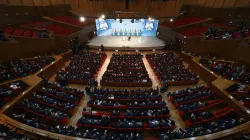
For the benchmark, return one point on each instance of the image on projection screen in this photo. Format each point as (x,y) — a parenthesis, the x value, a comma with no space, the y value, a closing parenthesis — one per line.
(125,27)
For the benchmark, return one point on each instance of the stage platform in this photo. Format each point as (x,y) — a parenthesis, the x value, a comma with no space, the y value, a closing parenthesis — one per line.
(122,43)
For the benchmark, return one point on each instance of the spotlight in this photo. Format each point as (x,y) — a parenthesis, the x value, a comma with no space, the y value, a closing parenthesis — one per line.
(100,19)
(171,20)
(149,18)
(103,16)
(153,20)
(82,19)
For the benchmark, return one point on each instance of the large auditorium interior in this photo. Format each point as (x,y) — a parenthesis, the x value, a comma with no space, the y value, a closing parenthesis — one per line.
(124,69)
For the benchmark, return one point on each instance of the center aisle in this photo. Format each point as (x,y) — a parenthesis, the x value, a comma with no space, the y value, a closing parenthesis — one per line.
(104,67)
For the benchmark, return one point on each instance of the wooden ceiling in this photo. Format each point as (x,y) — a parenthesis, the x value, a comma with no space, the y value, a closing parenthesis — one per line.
(218,3)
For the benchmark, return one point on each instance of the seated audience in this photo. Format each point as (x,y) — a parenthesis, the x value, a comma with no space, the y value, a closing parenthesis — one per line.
(21,68)
(229,70)
(82,68)
(125,69)
(209,128)
(169,67)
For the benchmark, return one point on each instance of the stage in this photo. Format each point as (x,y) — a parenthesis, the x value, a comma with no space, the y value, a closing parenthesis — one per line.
(122,43)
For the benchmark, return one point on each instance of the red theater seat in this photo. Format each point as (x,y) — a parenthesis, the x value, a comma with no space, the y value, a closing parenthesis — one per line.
(183,22)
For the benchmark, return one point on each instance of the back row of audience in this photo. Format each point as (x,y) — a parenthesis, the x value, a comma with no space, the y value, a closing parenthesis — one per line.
(89,133)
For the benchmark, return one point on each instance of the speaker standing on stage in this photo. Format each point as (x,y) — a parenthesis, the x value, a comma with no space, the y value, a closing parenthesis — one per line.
(102,48)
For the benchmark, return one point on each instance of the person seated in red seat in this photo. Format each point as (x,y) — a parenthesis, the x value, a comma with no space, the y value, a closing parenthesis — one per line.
(208,128)
(193,106)
(42,109)
(169,67)
(192,97)
(115,113)
(154,123)
(195,117)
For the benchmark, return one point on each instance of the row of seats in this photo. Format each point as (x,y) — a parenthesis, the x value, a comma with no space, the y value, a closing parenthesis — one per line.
(82,68)
(147,115)
(8,133)
(169,67)
(59,30)
(53,102)
(33,24)
(205,129)
(42,106)
(10,90)
(126,69)
(241,93)
(88,133)
(229,70)
(25,33)
(202,116)
(183,22)
(200,55)
(22,68)
(194,32)
(125,97)
(71,20)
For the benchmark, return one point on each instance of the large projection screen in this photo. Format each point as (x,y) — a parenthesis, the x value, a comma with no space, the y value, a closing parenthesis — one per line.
(126,27)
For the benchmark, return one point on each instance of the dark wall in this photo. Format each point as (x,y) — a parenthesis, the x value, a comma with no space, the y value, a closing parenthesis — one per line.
(16,14)
(223,15)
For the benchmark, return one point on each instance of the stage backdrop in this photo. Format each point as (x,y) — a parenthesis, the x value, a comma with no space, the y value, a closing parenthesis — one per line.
(125,27)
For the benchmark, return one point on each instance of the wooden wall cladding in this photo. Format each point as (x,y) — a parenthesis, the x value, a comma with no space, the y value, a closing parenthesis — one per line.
(143,7)
(115,5)
(15,2)
(140,6)
(28,2)
(202,2)
(46,2)
(218,3)
(38,2)
(3,1)
(223,15)
(16,14)
(242,3)
(34,2)
(165,9)
(229,3)
(209,3)
(194,2)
